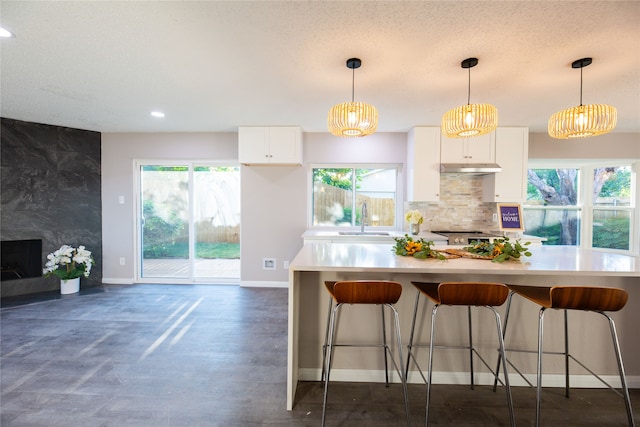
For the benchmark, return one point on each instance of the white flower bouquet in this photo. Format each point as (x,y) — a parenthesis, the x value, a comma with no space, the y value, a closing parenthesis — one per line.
(69,263)
(414,217)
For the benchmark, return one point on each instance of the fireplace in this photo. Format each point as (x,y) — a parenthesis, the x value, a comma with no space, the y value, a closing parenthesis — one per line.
(21,259)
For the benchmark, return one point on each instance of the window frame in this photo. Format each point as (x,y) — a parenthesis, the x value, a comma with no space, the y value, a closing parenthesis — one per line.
(585,205)
(399,195)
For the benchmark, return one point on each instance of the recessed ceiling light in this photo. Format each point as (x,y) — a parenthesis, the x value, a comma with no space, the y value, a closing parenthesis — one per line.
(158,114)
(5,33)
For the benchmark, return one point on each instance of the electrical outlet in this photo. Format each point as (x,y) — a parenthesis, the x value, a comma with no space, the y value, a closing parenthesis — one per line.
(285,265)
(495,217)
(268,263)
(121,260)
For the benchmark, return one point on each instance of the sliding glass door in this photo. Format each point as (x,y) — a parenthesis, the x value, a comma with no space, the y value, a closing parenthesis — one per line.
(189,224)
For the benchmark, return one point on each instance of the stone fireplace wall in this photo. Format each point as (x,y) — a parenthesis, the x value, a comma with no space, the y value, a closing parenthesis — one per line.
(51,190)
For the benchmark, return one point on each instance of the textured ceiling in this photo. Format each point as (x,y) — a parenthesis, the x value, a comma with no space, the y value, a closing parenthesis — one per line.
(216,65)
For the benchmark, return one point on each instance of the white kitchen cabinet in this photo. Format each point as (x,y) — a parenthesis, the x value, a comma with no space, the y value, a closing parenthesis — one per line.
(423,164)
(512,151)
(476,149)
(274,145)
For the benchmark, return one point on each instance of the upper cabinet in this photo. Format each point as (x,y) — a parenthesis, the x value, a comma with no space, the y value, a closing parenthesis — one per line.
(512,152)
(508,147)
(477,149)
(273,145)
(423,164)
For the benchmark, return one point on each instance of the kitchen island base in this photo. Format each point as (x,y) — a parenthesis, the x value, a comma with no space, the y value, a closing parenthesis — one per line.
(318,262)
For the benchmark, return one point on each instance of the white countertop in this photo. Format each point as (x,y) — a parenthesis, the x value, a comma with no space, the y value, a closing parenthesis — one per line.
(319,234)
(556,260)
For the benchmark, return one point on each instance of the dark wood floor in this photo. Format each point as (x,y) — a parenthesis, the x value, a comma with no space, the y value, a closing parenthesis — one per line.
(199,355)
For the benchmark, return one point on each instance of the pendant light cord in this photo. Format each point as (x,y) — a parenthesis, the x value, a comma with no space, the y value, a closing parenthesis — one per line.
(353,83)
(581,85)
(469,88)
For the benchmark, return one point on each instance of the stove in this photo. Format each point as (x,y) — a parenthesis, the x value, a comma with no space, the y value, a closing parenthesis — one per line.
(466,237)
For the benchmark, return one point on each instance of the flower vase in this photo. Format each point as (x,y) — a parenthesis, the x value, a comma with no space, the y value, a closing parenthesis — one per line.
(415,228)
(70,286)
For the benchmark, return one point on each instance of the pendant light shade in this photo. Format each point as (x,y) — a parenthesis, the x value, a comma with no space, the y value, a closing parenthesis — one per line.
(584,120)
(352,119)
(471,119)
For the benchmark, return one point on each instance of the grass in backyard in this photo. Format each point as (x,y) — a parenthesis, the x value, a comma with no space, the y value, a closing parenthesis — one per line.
(203,250)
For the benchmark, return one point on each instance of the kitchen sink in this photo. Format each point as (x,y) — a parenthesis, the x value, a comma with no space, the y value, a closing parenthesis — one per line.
(363,233)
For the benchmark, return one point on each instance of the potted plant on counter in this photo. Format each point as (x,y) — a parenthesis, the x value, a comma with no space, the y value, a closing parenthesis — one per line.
(414,218)
(69,264)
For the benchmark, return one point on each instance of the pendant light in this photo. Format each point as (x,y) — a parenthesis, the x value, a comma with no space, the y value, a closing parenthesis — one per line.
(353,119)
(471,119)
(584,120)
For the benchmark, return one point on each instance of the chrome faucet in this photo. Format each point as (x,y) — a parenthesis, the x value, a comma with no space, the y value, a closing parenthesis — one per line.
(364,215)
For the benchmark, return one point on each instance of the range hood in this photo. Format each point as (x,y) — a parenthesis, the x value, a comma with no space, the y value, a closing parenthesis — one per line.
(470,168)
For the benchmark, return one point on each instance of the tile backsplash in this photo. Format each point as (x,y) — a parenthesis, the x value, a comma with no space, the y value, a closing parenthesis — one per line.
(460,206)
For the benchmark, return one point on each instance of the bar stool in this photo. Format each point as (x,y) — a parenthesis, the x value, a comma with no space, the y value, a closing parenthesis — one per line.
(478,294)
(379,292)
(583,298)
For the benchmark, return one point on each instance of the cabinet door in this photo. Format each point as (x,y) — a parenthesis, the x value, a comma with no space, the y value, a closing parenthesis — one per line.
(423,164)
(280,145)
(481,149)
(512,151)
(478,149)
(285,145)
(253,143)
(452,150)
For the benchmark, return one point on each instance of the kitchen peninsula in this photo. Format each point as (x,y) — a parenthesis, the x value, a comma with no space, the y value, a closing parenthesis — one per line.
(566,265)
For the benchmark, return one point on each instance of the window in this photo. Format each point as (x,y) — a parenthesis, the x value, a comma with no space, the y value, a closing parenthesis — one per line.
(552,209)
(611,207)
(592,206)
(338,195)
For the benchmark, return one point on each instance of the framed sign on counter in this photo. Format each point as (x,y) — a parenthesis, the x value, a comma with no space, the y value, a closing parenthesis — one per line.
(510,217)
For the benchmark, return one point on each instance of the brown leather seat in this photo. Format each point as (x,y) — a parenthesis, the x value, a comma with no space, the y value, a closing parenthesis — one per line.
(353,292)
(469,294)
(465,293)
(365,292)
(583,298)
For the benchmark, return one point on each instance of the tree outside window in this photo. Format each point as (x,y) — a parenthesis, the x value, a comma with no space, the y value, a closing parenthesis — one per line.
(554,210)
(611,227)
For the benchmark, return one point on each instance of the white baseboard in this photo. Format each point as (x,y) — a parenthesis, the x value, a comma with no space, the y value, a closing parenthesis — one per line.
(462,378)
(263,284)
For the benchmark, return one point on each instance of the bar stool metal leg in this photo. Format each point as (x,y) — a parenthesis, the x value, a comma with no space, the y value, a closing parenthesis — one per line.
(472,382)
(430,368)
(385,347)
(403,378)
(503,356)
(539,364)
(566,353)
(326,337)
(413,327)
(623,377)
(504,334)
(329,354)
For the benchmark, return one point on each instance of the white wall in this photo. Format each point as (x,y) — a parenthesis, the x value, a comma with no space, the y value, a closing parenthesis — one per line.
(119,150)
(608,146)
(274,200)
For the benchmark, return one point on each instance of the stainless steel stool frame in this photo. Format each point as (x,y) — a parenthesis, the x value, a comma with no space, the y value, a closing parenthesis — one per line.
(470,347)
(567,357)
(330,346)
